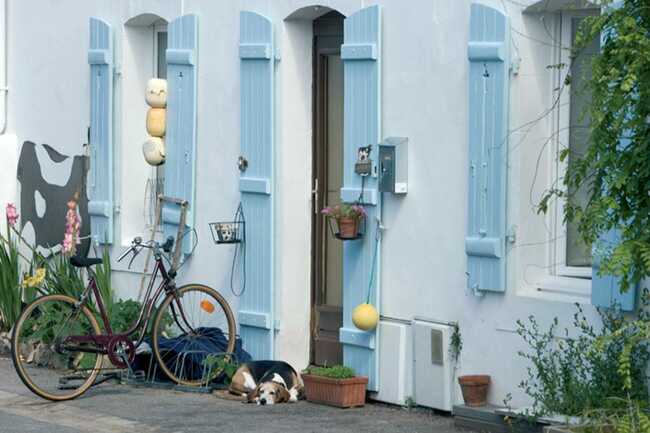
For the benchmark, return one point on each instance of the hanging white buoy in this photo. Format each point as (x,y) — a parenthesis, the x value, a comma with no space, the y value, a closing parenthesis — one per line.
(156,93)
(153,150)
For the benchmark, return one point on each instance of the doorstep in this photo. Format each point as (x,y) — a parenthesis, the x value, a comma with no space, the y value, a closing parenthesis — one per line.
(490,418)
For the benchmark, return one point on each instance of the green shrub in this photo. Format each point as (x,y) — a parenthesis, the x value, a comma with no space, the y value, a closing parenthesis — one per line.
(334,372)
(572,375)
(62,277)
(123,314)
(222,364)
(10,288)
(103,280)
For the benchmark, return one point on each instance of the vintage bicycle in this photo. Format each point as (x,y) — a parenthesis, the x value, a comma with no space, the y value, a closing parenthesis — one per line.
(58,347)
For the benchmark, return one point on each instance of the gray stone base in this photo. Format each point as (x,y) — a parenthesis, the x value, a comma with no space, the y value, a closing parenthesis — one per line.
(486,419)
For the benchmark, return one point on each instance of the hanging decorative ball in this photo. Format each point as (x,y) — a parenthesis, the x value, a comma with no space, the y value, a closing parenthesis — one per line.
(153,150)
(365,317)
(156,122)
(156,93)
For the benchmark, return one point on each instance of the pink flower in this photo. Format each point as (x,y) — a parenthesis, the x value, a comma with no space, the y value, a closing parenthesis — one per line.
(72,228)
(12,214)
(360,210)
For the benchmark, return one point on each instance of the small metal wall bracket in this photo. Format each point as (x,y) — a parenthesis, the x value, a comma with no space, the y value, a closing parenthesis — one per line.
(363,165)
(511,237)
(242,163)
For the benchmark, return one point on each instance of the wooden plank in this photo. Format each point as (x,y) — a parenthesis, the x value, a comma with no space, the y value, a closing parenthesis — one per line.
(256,183)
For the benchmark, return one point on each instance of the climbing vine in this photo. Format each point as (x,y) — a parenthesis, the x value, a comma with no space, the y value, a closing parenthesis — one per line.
(615,166)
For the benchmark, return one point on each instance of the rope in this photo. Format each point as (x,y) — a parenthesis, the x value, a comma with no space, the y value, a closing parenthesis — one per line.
(374,263)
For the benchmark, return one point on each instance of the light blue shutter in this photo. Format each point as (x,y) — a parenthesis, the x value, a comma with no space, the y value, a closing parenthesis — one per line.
(181,124)
(361,54)
(100,183)
(488,128)
(605,289)
(256,311)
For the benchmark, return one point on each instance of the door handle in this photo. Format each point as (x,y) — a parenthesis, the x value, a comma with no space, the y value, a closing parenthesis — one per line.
(315,196)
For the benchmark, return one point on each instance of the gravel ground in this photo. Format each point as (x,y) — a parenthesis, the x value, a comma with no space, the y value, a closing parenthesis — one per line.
(114,408)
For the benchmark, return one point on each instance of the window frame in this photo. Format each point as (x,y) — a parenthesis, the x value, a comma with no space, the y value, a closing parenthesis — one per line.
(160,27)
(561,129)
(158,185)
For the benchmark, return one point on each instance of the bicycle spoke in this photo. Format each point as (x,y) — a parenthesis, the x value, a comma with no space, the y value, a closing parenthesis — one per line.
(203,316)
(46,364)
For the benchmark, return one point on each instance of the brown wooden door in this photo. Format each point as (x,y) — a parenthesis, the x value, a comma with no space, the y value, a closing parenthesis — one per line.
(327,169)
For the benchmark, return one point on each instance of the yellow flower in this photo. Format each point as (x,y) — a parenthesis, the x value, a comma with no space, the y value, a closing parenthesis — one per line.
(36,279)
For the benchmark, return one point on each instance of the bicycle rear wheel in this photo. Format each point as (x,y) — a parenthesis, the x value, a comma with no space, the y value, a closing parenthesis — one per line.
(189,325)
(48,345)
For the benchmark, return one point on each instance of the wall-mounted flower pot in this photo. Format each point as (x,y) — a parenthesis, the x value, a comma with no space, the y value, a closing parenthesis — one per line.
(349,219)
(336,392)
(475,389)
(348,228)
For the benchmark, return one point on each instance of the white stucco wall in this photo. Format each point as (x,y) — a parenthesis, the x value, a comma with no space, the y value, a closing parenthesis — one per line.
(424,91)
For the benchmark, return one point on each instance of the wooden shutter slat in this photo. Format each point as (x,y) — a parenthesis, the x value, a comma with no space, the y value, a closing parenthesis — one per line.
(100,182)
(256,309)
(487,53)
(361,54)
(180,164)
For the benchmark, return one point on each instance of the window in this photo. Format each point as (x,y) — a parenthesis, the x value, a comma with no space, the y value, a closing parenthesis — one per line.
(160,61)
(572,255)
(143,57)
(547,258)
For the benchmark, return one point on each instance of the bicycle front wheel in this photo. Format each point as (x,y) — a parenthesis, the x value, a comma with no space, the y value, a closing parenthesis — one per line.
(190,324)
(51,347)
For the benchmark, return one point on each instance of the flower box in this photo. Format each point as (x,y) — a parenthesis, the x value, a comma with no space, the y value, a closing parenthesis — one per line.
(344,393)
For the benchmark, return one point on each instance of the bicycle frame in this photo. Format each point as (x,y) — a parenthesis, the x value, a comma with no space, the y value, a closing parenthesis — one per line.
(167,285)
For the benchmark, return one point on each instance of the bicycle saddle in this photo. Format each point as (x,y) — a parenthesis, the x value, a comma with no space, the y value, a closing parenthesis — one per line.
(84,262)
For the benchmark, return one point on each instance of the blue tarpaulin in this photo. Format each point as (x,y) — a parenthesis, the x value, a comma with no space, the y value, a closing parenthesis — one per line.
(188,354)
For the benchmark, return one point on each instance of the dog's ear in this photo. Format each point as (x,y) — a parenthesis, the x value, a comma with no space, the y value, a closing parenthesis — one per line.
(253,395)
(283,394)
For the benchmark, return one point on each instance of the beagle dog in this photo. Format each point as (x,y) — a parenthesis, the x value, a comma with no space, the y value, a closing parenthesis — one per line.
(267,382)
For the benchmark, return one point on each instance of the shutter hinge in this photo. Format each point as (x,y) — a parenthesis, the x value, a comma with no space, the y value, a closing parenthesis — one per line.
(277,54)
(515,65)
(117,70)
(476,291)
(511,237)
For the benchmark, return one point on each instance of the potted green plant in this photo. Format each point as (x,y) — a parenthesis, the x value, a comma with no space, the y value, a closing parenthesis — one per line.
(335,386)
(348,218)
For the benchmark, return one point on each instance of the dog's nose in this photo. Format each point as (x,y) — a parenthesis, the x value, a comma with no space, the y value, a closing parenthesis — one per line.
(263,401)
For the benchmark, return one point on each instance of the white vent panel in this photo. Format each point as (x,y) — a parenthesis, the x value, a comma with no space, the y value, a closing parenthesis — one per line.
(433,368)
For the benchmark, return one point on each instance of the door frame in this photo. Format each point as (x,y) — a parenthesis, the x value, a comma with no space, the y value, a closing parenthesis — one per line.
(319,230)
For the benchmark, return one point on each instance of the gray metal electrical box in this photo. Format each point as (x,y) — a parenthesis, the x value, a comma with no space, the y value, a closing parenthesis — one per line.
(393,165)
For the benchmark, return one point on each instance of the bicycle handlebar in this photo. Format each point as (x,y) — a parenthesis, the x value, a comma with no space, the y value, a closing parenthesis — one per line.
(126,253)
(137,246)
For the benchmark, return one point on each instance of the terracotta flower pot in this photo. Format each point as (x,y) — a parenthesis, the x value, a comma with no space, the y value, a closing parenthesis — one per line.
(474,388)
(348,227)
(336,392)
